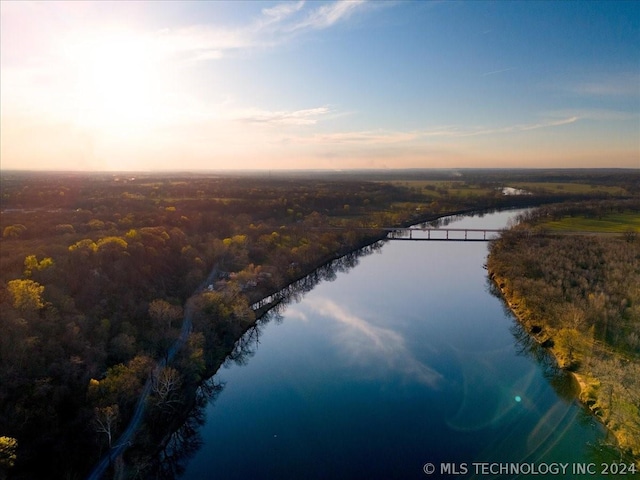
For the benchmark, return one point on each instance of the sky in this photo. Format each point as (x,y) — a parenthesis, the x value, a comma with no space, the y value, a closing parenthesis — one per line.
(144,86)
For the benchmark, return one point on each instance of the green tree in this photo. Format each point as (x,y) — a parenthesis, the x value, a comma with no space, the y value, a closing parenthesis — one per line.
(111,244)
(13,231)
(122,384)
(27,295)
(86,245)
(31,263)
(164,313)
(571,347)
(8,447)
(65,228)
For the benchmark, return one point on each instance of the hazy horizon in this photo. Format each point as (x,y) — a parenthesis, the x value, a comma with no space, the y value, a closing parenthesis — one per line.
(364,171)
(330,86)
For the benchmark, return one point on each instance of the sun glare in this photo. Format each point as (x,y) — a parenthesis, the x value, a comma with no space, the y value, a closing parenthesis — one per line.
(118,83)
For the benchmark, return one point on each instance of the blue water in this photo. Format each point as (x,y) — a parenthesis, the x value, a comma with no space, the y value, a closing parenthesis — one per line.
(404,360)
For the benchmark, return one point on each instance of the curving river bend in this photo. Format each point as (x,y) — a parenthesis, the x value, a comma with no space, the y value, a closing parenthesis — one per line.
(406,360)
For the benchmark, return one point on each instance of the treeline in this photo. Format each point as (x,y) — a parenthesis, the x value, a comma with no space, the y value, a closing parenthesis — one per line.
(171,437)
(627,179)
(96,272)
(579,295)
(95,276)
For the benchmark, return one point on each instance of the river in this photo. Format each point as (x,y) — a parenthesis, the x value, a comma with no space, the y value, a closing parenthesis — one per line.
(405,361)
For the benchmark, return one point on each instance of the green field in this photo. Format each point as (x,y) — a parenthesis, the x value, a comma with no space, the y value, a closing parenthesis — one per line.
(568,188)
(615,222)
(438,188)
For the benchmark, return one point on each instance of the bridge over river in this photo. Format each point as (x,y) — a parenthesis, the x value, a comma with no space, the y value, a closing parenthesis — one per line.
(462,234)
(424,233)
(442,234)
(393,233)
(483,234)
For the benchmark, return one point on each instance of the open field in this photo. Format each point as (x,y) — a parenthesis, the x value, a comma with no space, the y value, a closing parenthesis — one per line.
(96,271)
(618,222)
(577,295)
(472,186)
(569,188)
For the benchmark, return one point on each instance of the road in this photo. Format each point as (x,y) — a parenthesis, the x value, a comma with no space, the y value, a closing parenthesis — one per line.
(125,440)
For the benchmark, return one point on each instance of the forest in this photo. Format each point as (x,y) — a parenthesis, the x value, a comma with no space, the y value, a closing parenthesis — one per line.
(578,294)
(100,274)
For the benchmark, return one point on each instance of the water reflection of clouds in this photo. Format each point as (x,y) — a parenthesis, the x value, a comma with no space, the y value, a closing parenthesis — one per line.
(364,342)
(295,314)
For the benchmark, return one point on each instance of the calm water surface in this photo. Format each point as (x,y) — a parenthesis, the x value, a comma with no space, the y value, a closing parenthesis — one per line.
(406,359)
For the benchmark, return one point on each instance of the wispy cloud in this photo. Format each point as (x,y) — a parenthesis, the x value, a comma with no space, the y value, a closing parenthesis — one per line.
(384,137)
(281,11)
(276,25)
(478,131)
(495,72)
(517,128)
(327,15)
(371,137)
(597,114)
(365,342)
(297,117)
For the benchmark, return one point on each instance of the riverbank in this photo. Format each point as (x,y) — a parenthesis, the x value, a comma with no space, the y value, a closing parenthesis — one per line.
(565,295)
(542,334)
(358,358)
(263,301)
(153,449)
(110,264)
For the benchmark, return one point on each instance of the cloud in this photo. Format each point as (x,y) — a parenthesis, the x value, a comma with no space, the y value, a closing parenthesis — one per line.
(474,132)
(281,11)
(198,43)
(47,32)
(276,25)
(297,117)
(52,71)
(327,15)
(597,114)
(371,137)
(486,74)
(382,137)
(365,343)
(527,127)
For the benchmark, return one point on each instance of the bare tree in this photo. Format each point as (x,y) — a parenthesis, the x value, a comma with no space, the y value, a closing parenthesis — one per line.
(166,384)
(106,419)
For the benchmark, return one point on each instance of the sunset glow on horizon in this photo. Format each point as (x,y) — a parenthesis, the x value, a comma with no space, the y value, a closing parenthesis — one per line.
(150,86)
